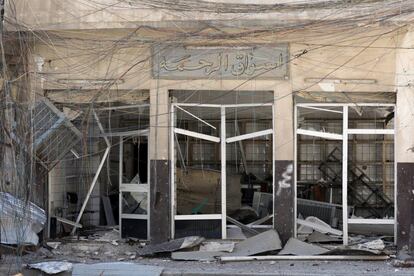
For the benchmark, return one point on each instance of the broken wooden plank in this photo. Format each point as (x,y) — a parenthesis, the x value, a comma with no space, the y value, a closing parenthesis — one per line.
(304,258)
(66,221)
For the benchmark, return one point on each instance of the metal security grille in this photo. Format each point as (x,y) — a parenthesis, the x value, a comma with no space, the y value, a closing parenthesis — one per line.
(54,134)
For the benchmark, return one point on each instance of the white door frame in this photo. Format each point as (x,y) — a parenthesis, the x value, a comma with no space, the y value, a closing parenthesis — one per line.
(223,140)
(345,132)
(128,187)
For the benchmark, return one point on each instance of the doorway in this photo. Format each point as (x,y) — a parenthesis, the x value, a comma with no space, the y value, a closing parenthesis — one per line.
(222,163)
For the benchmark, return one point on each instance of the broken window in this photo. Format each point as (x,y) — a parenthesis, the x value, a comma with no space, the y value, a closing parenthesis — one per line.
(222,159)
(345,166)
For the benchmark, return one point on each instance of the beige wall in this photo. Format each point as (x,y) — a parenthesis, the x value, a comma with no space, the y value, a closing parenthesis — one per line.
(77,14)
(405,99)
(353,62)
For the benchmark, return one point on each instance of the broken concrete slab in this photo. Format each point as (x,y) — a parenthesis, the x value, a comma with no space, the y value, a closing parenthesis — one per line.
(196,255)
(313,223)
(51,267)
(377,244)
(217,246)
(263,242)
(318,237)
(116,269)
(170,246)
(300,248)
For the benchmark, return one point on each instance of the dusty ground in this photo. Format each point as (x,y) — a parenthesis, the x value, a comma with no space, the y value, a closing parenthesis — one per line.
(110,251)
(8,267)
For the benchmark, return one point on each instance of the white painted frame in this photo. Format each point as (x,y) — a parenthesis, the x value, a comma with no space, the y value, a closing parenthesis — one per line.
(128,187)
(223,140)
(344,137)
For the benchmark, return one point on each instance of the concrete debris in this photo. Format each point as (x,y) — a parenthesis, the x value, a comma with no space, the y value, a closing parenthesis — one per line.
(318,237)
(404,258)
(300,248)
(217,246)
(170,246)
(373,245)
(263,242)
(51,267)
(116,269)
(20,220)
(201,256)
(313,223)
(53,245)
(44,252)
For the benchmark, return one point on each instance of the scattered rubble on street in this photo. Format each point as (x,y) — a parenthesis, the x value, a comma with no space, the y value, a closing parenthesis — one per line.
(106,247)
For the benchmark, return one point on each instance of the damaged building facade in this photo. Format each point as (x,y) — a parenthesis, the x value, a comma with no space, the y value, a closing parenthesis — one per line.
(172,120)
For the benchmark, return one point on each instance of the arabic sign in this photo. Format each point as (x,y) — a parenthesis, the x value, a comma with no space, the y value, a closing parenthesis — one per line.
(178,62)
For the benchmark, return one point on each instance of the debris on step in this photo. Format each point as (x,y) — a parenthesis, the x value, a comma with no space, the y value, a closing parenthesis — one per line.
(263,242)
(318,237)
(170,246)
(107,236)
(403,263)
(202,256)
(217,246)
(51,267)
(404,259)
(377,244)
(313,223)
(300,248)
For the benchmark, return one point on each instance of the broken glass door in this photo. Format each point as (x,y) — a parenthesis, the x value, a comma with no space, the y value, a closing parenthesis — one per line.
(133,187)
(197,189)
(249,167)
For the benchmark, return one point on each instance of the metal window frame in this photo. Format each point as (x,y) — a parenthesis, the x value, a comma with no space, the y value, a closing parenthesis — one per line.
(223,140)
(345,133)
(134,188)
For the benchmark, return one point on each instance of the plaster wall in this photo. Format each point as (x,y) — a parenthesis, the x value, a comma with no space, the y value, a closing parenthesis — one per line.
(77,14)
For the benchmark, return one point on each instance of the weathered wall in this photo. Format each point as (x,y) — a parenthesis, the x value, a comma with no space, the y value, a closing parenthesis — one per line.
(107,14)
(405,142)
(362,60)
